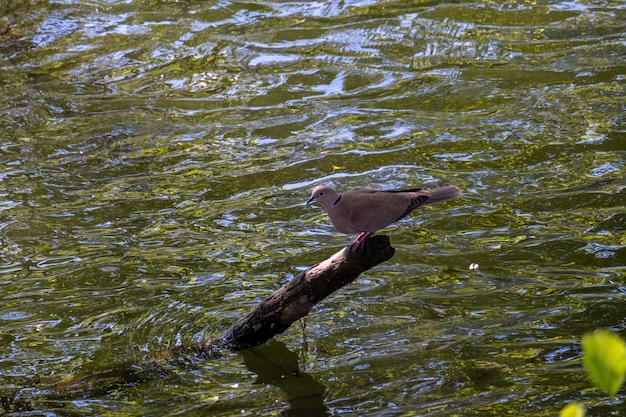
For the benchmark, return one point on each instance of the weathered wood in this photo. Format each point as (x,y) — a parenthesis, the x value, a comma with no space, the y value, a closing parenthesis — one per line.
(269,318)
(295,299)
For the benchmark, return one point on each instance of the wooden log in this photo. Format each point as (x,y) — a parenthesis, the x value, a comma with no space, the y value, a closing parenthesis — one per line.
(295,299)
(271,317)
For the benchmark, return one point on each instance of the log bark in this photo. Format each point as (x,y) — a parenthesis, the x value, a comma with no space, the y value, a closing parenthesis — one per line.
(271,317)
(295,299)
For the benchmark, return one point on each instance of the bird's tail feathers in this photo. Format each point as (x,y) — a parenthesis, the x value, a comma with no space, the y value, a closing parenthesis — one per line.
(442,194)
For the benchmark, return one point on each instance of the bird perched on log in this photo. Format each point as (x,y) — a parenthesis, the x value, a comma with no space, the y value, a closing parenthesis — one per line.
(366,211)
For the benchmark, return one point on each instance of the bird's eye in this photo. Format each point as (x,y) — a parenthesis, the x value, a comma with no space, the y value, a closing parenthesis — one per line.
(321,193)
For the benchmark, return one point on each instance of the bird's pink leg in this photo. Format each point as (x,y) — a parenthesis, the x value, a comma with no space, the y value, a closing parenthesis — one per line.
(359,241)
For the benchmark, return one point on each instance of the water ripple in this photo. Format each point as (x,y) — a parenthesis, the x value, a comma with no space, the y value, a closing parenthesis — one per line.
(156,160)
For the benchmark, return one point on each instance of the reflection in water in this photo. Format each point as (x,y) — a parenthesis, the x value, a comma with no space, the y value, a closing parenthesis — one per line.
(155,158)
(276,365)
(273,363)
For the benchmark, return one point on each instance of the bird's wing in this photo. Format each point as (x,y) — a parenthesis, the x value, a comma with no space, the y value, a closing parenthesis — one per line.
(420,197)
(370,210)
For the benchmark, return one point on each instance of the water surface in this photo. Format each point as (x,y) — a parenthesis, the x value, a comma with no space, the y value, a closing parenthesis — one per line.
(154,161)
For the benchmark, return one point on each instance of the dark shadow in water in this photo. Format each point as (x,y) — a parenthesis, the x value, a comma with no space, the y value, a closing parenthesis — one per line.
(278,366)
(273,363)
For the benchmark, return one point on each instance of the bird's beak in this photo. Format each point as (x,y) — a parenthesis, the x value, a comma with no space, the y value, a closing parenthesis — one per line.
(309,201)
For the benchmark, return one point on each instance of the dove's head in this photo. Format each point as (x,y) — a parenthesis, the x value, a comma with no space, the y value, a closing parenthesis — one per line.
(324,195)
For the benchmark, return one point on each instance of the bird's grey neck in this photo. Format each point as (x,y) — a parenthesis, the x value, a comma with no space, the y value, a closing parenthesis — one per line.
(337,200)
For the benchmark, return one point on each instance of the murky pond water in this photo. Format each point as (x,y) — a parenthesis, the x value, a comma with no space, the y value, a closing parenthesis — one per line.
(155,158)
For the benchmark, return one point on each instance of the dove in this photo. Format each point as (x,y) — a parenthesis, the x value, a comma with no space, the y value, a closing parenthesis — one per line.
(367,211)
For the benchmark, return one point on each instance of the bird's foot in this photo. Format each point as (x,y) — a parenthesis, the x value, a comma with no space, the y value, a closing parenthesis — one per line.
(359,241)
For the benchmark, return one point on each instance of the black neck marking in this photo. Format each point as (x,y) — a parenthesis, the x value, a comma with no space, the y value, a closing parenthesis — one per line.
(337,200)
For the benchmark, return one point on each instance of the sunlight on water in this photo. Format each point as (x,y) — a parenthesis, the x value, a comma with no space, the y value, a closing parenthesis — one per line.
(156,158)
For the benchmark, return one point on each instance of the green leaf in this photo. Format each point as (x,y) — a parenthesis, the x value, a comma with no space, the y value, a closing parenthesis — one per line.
(605,360)
(573,410)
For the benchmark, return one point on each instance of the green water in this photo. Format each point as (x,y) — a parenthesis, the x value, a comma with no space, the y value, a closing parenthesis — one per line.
(155,157)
